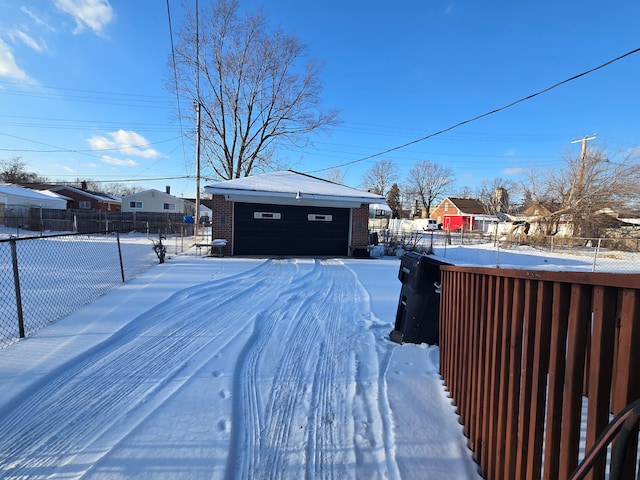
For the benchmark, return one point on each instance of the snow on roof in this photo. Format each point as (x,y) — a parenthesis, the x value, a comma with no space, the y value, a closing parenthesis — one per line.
(379,206)
(55,195)
(87,193)
(292,188)
(32,196)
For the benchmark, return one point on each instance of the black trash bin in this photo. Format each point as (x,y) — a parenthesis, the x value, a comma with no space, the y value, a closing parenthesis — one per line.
(419,303)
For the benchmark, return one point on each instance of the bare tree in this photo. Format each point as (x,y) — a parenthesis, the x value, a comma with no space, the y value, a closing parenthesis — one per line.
(427,181)
(535,187)
(335,175)
(15,170)
(464,191)
(120,189)
(495,195)
(590,182)
(380,176)
(251,85)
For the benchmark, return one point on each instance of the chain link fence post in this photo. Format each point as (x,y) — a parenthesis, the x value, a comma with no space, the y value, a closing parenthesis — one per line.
(120,255)
(16,284)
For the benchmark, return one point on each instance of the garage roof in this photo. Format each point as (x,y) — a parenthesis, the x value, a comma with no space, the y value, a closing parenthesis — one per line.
(292,188)
(15,195)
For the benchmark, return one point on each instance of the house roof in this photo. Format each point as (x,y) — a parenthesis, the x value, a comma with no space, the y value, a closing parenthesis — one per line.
(292,188)
(541,208)
(467,205)
(143,193)
(28,196)
(99,196)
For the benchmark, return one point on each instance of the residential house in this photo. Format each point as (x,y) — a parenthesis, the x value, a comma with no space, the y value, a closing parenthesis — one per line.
(545,219)
(155,201)
(83,199)
(462,213)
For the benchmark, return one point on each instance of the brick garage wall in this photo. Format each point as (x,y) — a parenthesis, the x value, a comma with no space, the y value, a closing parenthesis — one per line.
(360,226)
(222,221)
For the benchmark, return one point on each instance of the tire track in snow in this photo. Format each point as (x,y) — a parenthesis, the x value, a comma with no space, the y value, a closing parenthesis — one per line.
(73,408)
(317,418)
(331,419)
(245,455)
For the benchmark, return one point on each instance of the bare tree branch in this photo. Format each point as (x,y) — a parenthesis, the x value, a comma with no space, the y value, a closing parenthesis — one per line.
(427,181)
(256,93)
(380,176)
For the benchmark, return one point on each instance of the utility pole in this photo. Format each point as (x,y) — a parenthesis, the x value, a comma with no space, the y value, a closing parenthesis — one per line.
(575,196)
(583,156)
(198,107)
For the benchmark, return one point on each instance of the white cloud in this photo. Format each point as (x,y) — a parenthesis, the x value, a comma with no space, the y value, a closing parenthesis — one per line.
(513,171)
(36,18)
(94,14)
(129,142)
(119,161)
(29,41)
(8,66)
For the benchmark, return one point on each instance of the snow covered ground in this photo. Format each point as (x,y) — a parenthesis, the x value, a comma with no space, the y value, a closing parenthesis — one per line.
(231,368)
(237,368)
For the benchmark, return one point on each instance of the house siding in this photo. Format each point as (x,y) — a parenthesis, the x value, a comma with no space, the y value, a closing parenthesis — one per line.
(452,217)
(439,213)
(153,201)
(76,198)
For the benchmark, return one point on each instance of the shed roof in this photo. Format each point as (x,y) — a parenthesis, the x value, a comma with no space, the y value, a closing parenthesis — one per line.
(292,188)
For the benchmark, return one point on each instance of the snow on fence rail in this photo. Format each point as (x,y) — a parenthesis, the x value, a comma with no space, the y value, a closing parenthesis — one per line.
(521,353)
(46,278)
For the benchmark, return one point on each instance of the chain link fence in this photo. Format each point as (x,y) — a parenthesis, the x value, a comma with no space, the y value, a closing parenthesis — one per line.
(621,255)
(46,278)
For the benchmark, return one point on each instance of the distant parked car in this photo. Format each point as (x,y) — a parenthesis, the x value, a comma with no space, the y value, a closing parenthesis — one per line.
(432,224)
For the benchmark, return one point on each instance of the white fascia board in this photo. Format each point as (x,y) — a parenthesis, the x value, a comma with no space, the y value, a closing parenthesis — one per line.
(304,199)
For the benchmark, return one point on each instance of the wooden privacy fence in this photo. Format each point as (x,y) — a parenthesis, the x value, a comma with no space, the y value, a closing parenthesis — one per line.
(520,353)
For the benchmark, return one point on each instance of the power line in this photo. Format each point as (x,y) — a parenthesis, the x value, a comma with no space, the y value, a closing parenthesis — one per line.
(83,151)
(85,91)
(122,180)
(440,132)
(175,79)
(138,103)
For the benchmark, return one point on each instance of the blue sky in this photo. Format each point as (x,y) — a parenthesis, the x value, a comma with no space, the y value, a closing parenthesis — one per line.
(79,79)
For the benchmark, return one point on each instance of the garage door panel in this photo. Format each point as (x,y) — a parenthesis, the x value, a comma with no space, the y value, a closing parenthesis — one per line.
(290,230)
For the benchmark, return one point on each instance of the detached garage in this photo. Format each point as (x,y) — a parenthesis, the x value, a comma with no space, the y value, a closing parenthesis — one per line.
(289,213)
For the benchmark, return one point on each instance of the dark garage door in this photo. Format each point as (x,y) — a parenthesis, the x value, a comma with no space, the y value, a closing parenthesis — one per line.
(290,230)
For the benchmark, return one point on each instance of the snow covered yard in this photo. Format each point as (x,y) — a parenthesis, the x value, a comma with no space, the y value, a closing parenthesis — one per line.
(231,368)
